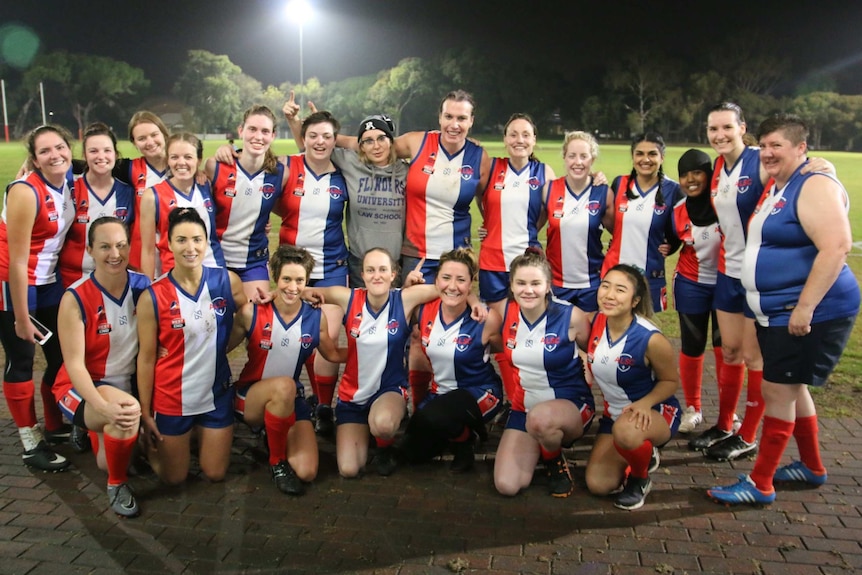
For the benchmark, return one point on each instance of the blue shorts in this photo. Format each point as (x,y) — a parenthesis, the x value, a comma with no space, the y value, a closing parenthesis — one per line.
(658,293)
(219,418)
(493,286)
(349,412)
(730,296)
(429,268)
(252,273)
(692,297)
(329,282)
(518,419)
(488,400)
(38,297)
(670,411)
(71,405)
(587,299)
(300,406)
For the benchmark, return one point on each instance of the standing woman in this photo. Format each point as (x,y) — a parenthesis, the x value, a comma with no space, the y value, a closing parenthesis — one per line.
(578,211)
(552,405)
(282,335)
(188,312)
(36,215)
(696,226)
(97,194)
(632,362)
(245,192)
(180,190)
(465,391)
(100,346)
(643,202)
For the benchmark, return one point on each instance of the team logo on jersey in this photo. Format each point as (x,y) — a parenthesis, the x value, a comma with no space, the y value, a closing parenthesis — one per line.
(778,206)
(534,183)
(121,212)
(208,204)
(466,172)
(231,176)
(594,207)
(625,362)
(500,183)
(743,184)
(426,333)
(558,208)
(306,340)
(659,210)
(230,192)
(51,208)
(355,325)
(266,337)
(219,305)
(335,192)
(141,179)
(102,325)
(172,203)
(392,326)
(463,341)
(550,341)
(267,190)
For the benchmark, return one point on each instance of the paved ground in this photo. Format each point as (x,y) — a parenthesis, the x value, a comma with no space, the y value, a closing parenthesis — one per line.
(423,520)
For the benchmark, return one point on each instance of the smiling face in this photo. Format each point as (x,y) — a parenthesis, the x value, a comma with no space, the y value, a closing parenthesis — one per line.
(530,287)
(456,119)
(257,134)
(454,282)
(182,160)
(290,283)
(188,243)
(149,140)
(100,154)
(616,295)
(378,272)
(520,139)
(647,159)
(693,183)
(110,248)
(578,159)
(51,155)
(780,156)
(319,141)
(724,132)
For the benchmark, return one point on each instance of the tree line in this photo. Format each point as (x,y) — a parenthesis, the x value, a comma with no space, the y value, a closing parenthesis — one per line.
(637,93)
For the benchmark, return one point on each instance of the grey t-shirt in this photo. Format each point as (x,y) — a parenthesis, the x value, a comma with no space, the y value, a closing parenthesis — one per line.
(375,212)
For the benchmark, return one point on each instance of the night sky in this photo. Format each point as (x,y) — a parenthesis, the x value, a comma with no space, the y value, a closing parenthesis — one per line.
(356,37)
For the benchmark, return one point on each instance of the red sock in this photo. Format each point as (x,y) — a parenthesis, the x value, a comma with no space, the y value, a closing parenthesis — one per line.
(719,361)
(549,455)
(463,437)
(309,370)
(691,374)
(383,443)
(94,441)
(277,429)
(419,381)
(729,389)
(326,389)
(506,373)
(773,442)
(754,407)
(19,398)
(638,458)
(53,417)
(118,452)
(807,441)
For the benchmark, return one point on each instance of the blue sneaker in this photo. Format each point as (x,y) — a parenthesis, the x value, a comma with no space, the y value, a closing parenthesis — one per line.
(742,492)
(798,471)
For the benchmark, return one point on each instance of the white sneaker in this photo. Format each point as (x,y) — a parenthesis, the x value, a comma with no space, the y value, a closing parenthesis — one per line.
(691,418)
(737,423)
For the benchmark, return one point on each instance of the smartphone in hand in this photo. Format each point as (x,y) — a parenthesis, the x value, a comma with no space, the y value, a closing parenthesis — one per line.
(46,333)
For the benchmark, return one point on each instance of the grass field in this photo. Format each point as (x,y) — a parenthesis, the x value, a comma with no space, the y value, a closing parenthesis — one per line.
(842,397)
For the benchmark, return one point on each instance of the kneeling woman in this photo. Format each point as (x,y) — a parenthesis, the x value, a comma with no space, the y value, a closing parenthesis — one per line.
(282,334)
(188,313)
(99,340)
(465,391)
(552,404)
(634,366)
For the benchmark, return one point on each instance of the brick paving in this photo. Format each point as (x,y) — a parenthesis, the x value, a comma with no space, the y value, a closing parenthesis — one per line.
(422,520)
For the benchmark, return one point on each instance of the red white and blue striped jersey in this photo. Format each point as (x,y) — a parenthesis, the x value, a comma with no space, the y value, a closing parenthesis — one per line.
(440,188)
(277,348)
(778,259)
(735,193)
(619,367)
(458,357)
(544,360)
(640,227)
(312,212)
(75,262)
(110,331)
(141,176)
(698,258)
(54,213)
(194,330)
(375,348)
(575,234)
(243,203)
(167,198)
(512,203)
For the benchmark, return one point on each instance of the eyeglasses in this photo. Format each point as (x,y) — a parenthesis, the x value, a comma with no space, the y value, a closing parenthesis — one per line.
(370,141)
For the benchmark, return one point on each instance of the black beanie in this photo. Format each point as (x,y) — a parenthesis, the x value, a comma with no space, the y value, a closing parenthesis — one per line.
(377,122)
(695,160)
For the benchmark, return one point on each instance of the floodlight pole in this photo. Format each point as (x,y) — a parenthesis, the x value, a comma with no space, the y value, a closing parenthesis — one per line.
(42,94)
(5,115)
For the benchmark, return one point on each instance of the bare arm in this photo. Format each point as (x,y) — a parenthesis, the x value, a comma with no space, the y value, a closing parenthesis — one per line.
(660,357)
(327,347)
(241,325)
(147,345)
(336,295)
(148,233)
(484,176)
(579,328)
(407,145)
(608,216)
(20,217)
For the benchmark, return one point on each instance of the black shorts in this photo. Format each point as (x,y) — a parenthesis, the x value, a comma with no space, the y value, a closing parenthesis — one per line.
(805,359)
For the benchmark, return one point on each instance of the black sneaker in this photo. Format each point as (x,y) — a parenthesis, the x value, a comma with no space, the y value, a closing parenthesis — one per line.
(324,424)
(464,458)
(43,458)
(502,416)
(655,460)
(560,483)
(731,448)
(286,480)
(708,438)
(634,493)
(79,439)
(59,435)
(386,462)
(122,500)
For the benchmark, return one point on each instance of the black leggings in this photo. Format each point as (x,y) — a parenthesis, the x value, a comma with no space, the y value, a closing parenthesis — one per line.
(441,420)
(693,328)
(20,353)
